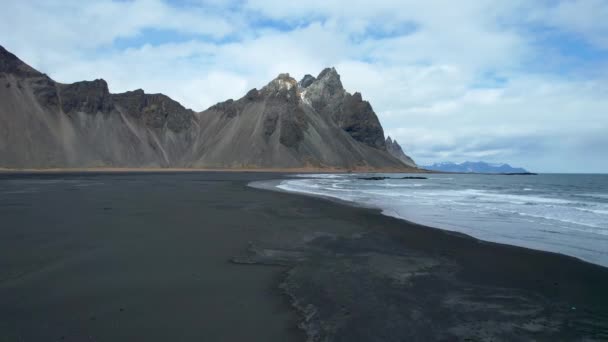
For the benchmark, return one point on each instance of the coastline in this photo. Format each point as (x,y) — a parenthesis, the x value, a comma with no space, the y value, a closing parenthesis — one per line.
(477,275)
(195,170)
(270,185)
(573,289)
(273,185)
(351,273)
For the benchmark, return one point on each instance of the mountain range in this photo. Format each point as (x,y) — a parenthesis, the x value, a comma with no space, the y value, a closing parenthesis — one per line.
(311,124)
(474,167)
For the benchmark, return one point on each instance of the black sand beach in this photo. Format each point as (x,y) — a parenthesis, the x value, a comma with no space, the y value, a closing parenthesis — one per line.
(202,256)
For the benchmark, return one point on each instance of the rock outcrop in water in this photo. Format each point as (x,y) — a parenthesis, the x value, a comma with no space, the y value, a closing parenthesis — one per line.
(313,123)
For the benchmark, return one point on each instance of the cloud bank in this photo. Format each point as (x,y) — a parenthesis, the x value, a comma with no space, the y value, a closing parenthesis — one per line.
(520,82)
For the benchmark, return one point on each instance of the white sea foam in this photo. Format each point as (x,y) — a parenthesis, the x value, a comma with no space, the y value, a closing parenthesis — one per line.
(533,215)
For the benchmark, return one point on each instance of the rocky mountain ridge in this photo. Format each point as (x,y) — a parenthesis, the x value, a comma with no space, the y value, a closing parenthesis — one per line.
(313,123)
(393,147)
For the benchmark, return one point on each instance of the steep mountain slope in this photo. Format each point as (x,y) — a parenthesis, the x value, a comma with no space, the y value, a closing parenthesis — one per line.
(277,126)
(46,124)
(327,96)
(393,147)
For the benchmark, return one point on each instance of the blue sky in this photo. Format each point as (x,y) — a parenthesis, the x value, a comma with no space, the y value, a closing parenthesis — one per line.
(524,82)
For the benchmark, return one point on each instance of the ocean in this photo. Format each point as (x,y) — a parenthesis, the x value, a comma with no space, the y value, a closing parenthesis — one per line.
(563,213)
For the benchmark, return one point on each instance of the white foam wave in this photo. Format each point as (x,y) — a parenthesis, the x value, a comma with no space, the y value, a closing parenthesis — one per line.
(595,211)
(478,211)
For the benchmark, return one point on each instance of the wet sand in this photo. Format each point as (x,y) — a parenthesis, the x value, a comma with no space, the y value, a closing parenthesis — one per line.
(202,256)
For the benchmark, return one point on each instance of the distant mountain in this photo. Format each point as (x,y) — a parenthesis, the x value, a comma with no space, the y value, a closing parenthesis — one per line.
(393,147)
(314,123)
(474,167)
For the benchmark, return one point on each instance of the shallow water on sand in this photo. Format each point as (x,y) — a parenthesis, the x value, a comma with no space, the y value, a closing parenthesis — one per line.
(559,213)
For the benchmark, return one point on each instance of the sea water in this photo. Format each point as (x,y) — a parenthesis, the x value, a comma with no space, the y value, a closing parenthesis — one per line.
(563,213)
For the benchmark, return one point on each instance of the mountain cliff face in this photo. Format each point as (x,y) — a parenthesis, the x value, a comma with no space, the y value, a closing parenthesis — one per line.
(327,96)
(313,123)
(393,147)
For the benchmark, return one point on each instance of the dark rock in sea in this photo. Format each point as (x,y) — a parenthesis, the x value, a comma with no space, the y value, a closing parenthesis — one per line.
(384,178)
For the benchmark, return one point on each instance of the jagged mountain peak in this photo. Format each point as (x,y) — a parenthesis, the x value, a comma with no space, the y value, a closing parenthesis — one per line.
(285,77)
(327,96)
(329,73)
(325,93)
(390,140)
(393,147)
(283,83)
(306,81)
(328,82)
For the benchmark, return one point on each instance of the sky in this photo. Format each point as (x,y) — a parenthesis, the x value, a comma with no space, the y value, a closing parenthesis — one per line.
(519,81)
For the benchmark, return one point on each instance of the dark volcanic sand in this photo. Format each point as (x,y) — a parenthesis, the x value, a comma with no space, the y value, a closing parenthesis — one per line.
(124,257)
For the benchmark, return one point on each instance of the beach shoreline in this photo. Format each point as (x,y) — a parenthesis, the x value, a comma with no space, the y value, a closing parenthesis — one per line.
(491,268)
(333,188)
(271,185)
(351,273)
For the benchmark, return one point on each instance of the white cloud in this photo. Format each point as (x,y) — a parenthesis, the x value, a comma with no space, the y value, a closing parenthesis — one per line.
(428,68)
(47,32)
